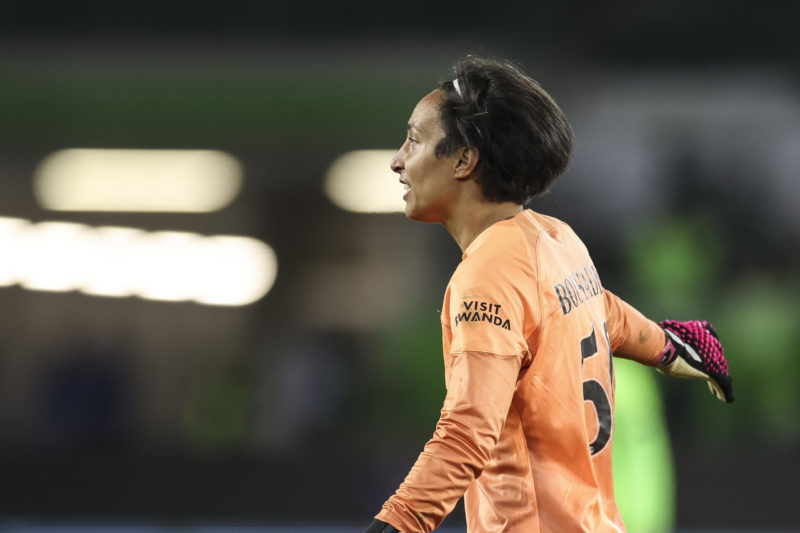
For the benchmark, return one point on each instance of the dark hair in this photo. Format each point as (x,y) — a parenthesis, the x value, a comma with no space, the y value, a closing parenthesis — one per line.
(522,136)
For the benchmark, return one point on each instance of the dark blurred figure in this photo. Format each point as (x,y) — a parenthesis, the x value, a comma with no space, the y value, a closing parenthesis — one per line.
(84,401)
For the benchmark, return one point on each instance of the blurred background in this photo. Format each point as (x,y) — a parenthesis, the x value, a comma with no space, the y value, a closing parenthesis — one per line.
(204,322)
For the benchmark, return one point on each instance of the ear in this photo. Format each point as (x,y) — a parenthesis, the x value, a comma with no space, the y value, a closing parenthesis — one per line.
(466,162)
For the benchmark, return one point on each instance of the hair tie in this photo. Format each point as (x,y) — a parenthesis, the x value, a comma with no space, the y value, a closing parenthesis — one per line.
(457,88)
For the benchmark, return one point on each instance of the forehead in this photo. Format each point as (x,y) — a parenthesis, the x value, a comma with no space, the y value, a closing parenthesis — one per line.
(425,116)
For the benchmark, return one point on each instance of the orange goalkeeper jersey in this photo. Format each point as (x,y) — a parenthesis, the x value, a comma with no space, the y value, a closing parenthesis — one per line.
(526,429)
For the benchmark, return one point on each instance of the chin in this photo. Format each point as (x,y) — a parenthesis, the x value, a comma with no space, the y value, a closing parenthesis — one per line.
(421,217)
(409,211)
(413,214)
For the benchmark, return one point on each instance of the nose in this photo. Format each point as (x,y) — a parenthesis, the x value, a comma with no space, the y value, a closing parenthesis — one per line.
(396,164)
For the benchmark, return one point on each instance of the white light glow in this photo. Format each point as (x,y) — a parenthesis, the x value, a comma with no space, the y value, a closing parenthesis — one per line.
(10,229)
(110,261)
(362,182)
(241,259)
(52,256)
(188,181)
(168,265)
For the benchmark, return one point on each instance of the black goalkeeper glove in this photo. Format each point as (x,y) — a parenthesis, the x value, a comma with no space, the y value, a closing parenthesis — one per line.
(379,526)
(693,351)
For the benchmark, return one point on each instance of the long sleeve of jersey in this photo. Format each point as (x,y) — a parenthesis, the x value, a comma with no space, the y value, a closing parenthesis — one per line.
(474,411)
(632,335)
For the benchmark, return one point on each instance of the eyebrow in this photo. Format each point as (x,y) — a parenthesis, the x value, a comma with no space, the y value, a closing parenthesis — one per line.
(412,127)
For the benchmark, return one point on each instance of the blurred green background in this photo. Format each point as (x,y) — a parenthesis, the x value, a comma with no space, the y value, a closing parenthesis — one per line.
(310,405)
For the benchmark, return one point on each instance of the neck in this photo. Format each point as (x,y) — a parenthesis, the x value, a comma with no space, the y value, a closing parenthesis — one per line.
(466,224)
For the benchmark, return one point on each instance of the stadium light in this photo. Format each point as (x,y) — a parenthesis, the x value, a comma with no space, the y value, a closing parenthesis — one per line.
(186,181)
(226,270)
(50,256)
(10,230)
(112,261)
(362,182)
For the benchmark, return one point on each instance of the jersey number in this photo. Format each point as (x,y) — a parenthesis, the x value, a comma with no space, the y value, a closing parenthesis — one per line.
(594,392)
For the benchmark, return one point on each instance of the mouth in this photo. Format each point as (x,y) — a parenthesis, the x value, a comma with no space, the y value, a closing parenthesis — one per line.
(406,188)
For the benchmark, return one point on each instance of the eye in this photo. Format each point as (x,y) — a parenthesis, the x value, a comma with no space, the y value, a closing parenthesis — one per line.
(412,140)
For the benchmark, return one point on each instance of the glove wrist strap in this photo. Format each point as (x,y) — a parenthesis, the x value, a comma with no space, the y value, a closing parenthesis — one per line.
(670,351)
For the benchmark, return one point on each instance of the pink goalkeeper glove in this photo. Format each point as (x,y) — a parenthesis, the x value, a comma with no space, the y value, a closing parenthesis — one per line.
(693,351)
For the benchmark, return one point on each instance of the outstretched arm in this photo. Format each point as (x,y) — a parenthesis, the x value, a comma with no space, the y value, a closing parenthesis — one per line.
(689,350)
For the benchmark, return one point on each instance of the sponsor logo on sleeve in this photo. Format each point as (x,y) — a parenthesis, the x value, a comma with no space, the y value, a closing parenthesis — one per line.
(578,287)
(481,311)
